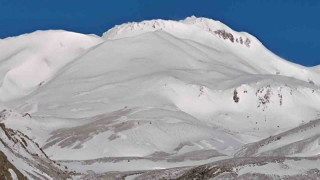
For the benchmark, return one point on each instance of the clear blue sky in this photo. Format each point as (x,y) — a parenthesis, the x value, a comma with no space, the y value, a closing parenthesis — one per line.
(290,28)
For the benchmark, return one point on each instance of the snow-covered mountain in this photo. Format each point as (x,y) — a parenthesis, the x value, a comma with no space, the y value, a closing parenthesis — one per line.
(154,94)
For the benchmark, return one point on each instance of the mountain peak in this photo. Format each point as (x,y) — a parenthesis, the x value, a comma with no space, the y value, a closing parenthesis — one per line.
(185,29)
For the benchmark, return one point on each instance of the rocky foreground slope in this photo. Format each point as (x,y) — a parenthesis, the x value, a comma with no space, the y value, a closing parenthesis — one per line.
(22,158)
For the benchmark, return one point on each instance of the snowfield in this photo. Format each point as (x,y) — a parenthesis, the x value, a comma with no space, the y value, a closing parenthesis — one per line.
(158,94)
(31,60)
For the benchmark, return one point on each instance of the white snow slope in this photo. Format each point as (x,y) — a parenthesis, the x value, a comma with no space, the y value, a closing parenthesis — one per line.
(31,60)
(150,88)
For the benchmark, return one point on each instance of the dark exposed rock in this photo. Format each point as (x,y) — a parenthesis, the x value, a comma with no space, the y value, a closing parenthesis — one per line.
(225,35)
(203,172)
(5,165)
(247,42)
(235,96)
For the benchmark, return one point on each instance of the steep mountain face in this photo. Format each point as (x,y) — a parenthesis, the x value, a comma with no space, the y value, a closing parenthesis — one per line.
(155,94)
